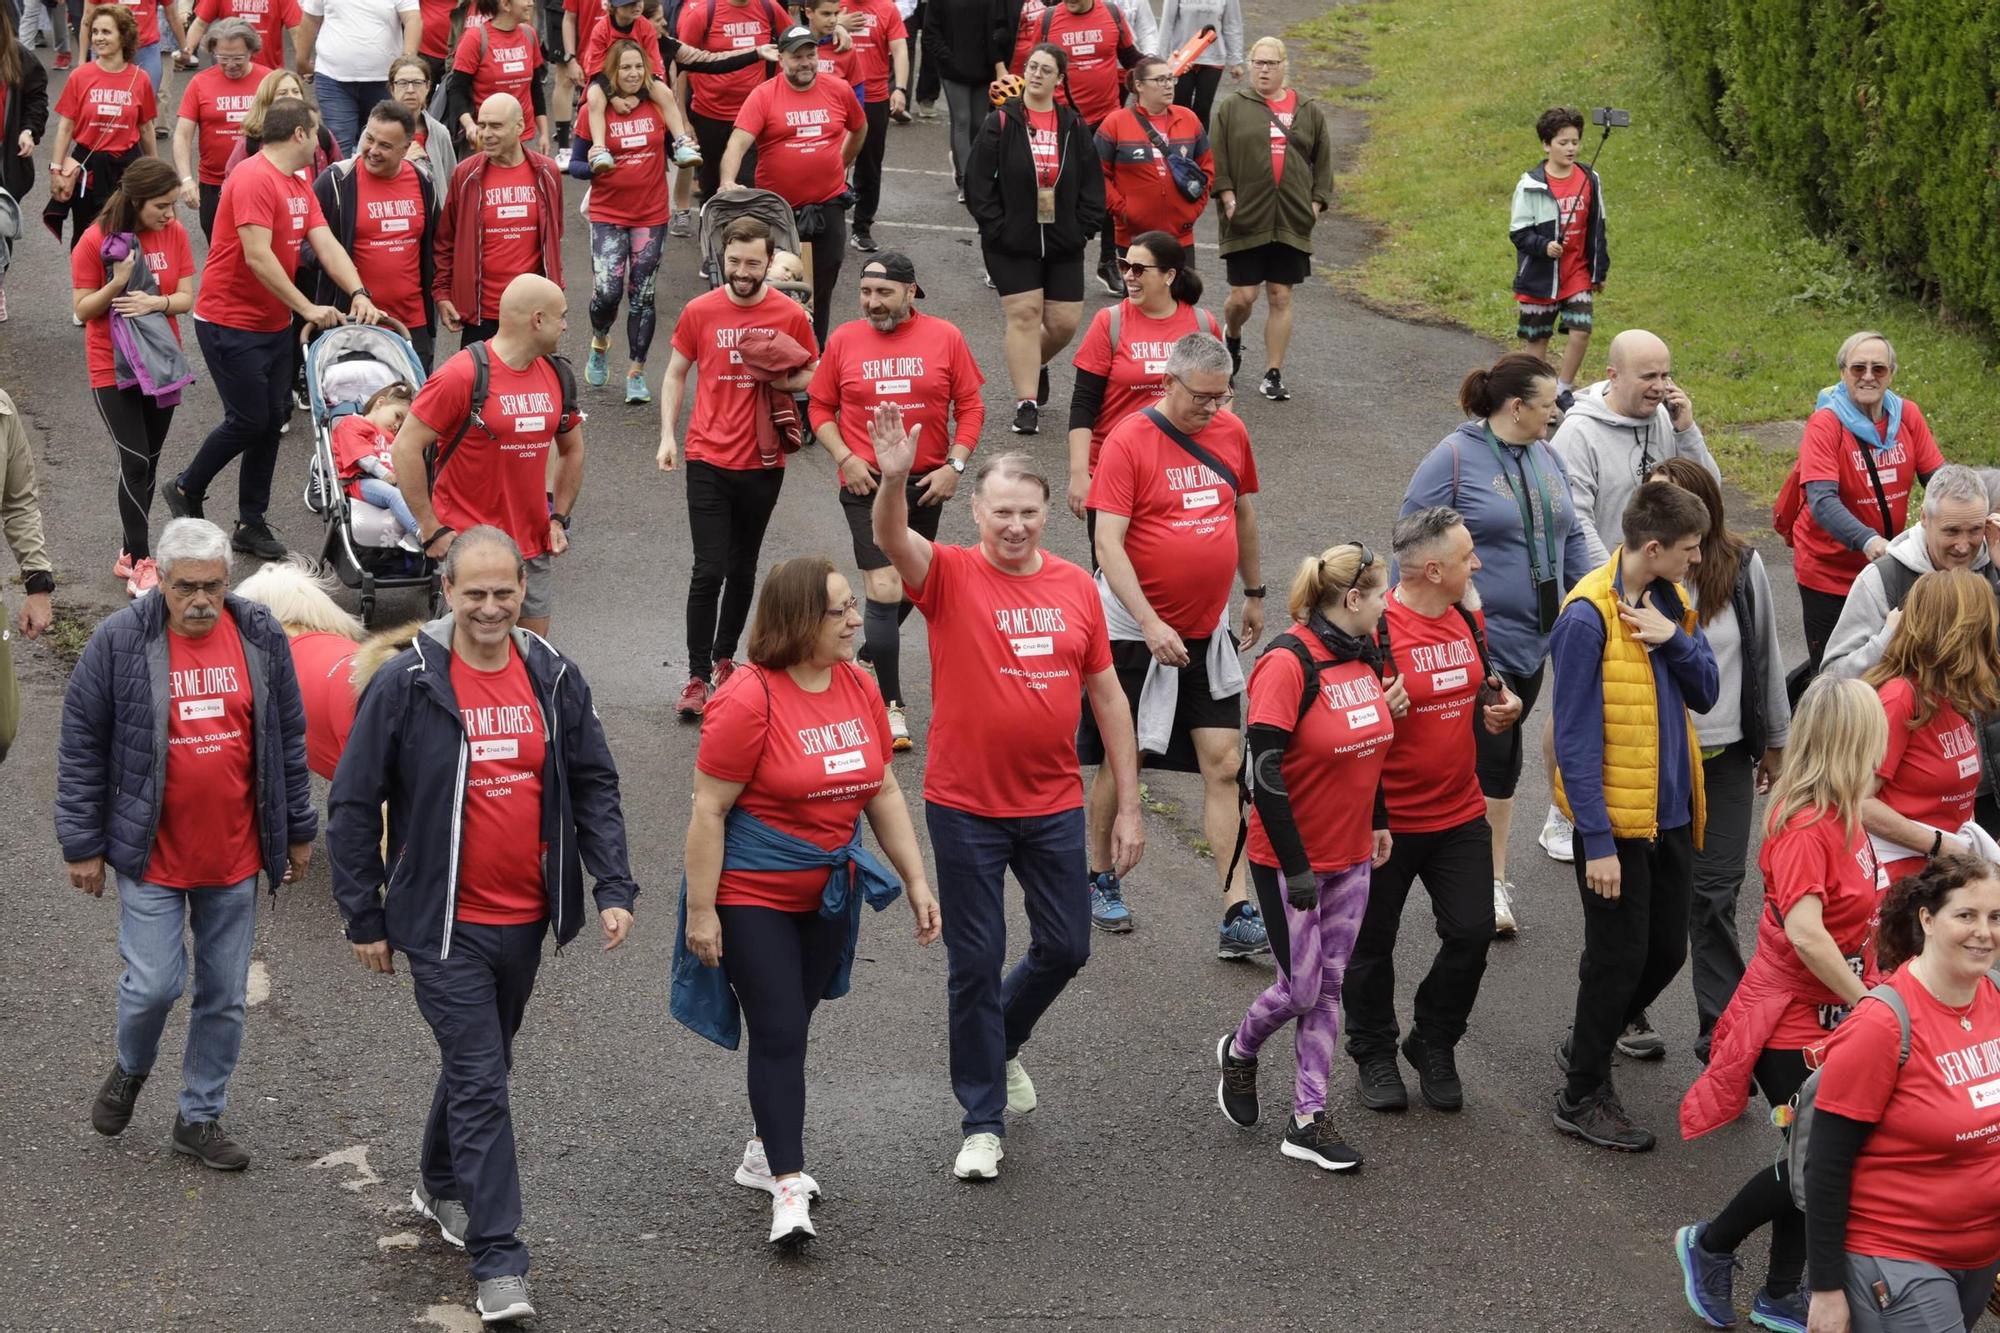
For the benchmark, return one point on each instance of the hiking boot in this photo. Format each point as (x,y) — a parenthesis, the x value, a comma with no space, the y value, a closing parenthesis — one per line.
(1782,1314)
(179,503)
(1437,1073)
(1380,1084)
(1108,911)
(978,1157)
(694,698)
(899,729)
(1027,418)
(449,1214)
(1707,1279)
(257,539)
(1601,1120)
(1236,1090)
(1242,936)
(1639,1041)
(1317,1142)
(206,1142)
(504,1299)
(112,1110)
(1274,388)
(1021,1097)
(755,1172)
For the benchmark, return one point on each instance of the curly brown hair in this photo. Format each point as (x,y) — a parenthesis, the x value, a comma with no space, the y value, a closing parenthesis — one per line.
(1899,935)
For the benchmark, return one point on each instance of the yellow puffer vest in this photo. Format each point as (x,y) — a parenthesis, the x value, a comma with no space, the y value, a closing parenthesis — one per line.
(1631,718)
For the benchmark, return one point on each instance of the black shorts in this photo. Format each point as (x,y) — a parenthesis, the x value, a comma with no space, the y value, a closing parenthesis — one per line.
(1274,261)
(860,511)
(1497,759)
(1194,710)
(1056,277)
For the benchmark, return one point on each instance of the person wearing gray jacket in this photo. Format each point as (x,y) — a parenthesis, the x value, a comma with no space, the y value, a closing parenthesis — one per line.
(1180,20)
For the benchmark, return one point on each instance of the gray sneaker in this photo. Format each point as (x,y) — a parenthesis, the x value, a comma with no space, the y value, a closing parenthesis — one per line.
(449,1214)
(1243,936)
(681,223)
(504,1299)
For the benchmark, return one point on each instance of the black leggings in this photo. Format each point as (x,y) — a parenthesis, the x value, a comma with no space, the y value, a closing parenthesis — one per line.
(1196,90)
(778,963)
(728,510)
(138,426)
(1766,1198)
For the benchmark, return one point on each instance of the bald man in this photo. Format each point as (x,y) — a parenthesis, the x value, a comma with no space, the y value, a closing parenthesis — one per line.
(494,473)
(501,217)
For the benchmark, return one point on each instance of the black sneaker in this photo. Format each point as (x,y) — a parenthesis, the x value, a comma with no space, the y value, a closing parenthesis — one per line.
(1437,1073)
(1042,388)
(863,240)
(1235,346)
(112,1110)
(1274,388)
(1317,1142)
(1639,1041)
(1027,418)
(1113,280)
(179,503)
(258,540)
(207,1144)
(1236,1090)
(900,117)
(1380,1084)
(1601,1120)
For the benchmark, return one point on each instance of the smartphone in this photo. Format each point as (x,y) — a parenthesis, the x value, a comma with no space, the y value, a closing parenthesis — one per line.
(1611,117)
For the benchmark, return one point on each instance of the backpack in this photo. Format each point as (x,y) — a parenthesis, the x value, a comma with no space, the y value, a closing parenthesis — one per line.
(1203,321)
(436,110)
(438,454)
(1791,501)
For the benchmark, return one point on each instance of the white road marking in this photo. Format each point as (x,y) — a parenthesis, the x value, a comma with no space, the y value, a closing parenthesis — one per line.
(974,231)
(259,987)
(450,1318)
(402,1240)
(356,1157)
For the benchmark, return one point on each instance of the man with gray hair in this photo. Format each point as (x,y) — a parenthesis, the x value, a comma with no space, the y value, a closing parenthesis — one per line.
(1175,523)
(212,109)
(1437,817)
(182,765)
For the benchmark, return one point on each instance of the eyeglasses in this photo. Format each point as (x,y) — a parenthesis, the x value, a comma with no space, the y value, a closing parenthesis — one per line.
(1162,81)
(1129,266)
(1223,399)
(1869,369)
(213,588)
(843,609)
(400,84)
(1266,64)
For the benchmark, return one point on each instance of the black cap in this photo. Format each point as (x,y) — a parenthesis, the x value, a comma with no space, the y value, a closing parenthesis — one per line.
(796,36)
(893,265)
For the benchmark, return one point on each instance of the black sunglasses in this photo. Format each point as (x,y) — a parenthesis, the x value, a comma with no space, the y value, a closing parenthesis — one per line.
(1367,563)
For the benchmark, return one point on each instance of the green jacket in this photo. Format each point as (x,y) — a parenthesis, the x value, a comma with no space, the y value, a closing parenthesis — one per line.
(1240,132)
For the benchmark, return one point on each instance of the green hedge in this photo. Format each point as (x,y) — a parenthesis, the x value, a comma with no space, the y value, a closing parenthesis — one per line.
(1880,117)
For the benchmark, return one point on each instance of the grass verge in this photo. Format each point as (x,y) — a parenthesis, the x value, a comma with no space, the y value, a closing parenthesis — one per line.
(1701,253)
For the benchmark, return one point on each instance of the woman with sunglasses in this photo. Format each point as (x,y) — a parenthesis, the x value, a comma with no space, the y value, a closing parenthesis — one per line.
(212,110)
(1318,735)
(1133,144)
(1864,446)
(1118,363)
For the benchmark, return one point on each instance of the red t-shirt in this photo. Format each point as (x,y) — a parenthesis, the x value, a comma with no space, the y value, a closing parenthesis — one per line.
(1812,857)
(497,474)
(1335,758)
(207,835)
(1286,105)
(1135,371)
(323,663)
(1045,143)
(598,44)
(1925,1181)
(1017,650)
(722,426)
(922,367)
(842,65)
(1092,39)
(256,194)
(355,437)
(511,222)
(1429,778)
(271,19)
(800,136)
(509,65)
(1572,201)
(435,17)
(106,110)
(169,257)
(634,192)
(729,27)
(1182,540)
(808,763)
(588,14)
(1828,452)
(500,847)
(1930,774)
(388,236)
(217,104)
(146,13)
(871,44)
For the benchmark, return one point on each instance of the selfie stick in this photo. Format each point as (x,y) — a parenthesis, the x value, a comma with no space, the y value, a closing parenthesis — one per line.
(1563,216)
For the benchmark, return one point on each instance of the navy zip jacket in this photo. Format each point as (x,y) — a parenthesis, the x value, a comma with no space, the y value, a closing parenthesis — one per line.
(1536,221)
(111,762)
(408,748)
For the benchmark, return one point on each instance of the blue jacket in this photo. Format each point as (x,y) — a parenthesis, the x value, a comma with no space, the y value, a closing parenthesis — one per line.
(408,748)
(702,1000)
(111,763)
(1460,473)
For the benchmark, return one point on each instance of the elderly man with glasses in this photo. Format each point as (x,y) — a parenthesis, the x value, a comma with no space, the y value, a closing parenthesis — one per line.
(212,110)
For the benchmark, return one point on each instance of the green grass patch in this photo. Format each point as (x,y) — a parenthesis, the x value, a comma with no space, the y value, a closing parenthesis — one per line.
(1701,253)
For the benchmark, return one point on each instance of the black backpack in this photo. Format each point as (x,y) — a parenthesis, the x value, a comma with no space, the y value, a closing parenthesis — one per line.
(440,452)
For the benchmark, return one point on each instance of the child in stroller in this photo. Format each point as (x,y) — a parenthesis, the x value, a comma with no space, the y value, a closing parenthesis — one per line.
(361,447)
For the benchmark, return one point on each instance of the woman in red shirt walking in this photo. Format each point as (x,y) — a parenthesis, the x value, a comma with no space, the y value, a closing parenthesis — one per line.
(1133,144)
(104,122)
(628,209)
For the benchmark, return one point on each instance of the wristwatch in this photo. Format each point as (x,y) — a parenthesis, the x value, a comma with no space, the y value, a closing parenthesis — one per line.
(1257,592)
(359,292)
(956,465)
(562,519)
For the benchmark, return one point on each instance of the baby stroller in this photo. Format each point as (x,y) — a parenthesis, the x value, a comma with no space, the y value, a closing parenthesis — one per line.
(345,366)
(768,208)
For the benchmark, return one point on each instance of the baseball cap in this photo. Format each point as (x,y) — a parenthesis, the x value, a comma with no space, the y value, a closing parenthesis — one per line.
(796,36)
(893,265)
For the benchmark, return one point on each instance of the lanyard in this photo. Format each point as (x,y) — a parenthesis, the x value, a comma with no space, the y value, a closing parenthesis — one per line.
(1542,563)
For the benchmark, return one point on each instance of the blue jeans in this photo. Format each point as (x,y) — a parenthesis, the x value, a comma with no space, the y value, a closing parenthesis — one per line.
(148,60)
(386,495)
(991,1018)
(344,106)
(150,920)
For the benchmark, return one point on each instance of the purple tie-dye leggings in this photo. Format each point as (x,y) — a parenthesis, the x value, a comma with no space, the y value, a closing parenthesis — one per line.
(1308,986)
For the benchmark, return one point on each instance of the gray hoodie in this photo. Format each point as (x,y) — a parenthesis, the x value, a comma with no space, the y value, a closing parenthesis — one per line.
(1862,635)
(1607,455)
(1182,19)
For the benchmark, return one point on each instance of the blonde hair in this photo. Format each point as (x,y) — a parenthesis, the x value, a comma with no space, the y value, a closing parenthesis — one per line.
(1944,645)
(299,597)
(1839,735)
(1325,578)
(267,93)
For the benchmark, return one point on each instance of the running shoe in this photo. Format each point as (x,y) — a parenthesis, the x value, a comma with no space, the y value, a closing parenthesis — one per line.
(1274,388)
(1601,1120)
(1318,1142)
(257,539)
(179,503)
(899,730)
(927,111)
(1242,936)
(1027,418)
(791,1213)
(1558,837)
(1042,388)
(1108,911)
(63,60)
(687,153)
(900,117)
(449,1214)
(597,366)
(863,240)
(1707,1279)
(121,568)
(145,577)
(755,1173)
(694,698)
(504,1299)
(1236,1089)
(978,1157)
(635,388)
(719,674)
(1111,278)
(1021,1097)
(1437,1073)
(1504,924)
(1380,1084)
(600,161)
(1639,1041)
(1783,1314)
(681,223)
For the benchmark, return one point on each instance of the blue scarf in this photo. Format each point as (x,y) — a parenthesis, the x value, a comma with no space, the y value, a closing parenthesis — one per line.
(1835,397)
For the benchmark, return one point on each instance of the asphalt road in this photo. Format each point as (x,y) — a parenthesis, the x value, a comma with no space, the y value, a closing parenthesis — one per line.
(1126,1201)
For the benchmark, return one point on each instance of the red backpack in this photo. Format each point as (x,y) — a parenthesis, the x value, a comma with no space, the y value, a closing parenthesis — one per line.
(1791,502)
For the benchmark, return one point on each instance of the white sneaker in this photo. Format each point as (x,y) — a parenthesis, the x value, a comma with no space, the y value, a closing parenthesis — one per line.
(979,1157)
(1020,1090)
(791,1212)
(1504,924)
(899,729)
(755,1173)
(1558,837)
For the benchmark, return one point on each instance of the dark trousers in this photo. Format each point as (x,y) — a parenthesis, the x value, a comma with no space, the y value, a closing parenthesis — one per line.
(473,1001)
(713,138)
(476,331)
(868,166)
(990,1018)
(1633,945)
(778,963)
(1714,951)
(211,199)
(1456,865)
(252,374)
(930,74)
(965,105)
(1766,1198)
(829,250)
(138,427)
(1196,90)
(1821,612)
(423,340)
(728,510)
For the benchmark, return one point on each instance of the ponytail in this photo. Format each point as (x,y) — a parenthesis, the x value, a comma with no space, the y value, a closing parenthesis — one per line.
(1330,574)
(1484,392)
(1169,253)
